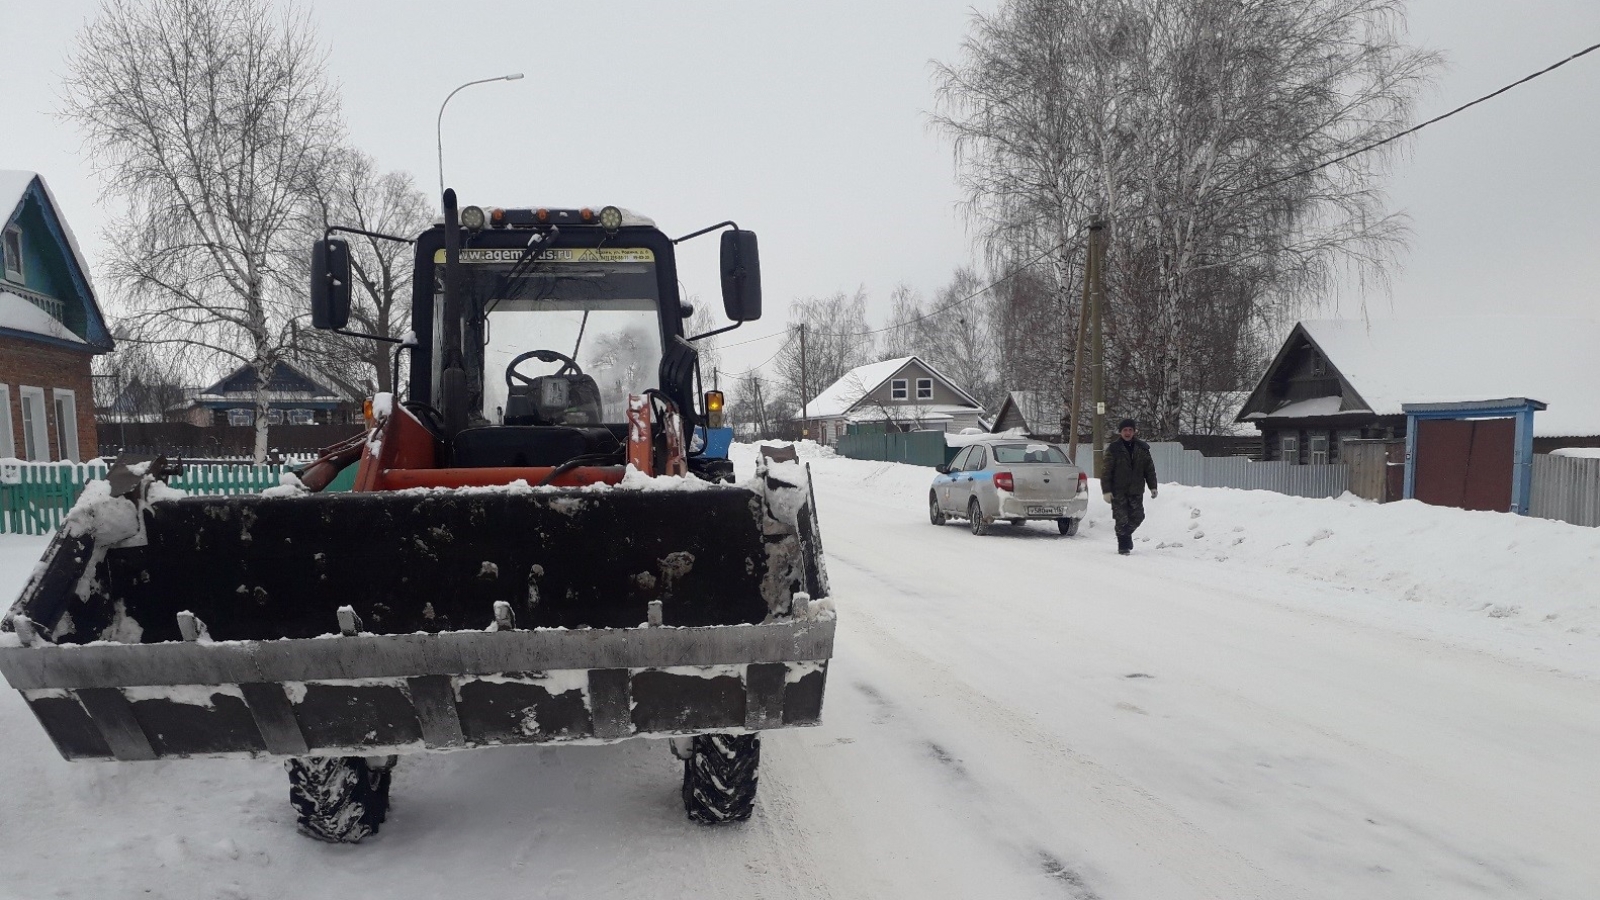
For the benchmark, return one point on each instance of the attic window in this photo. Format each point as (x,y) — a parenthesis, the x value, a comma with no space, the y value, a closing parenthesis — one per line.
(13,253)
(924,388)
(897,389)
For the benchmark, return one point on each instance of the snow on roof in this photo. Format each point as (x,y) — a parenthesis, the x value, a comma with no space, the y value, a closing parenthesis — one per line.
(1316,406)
(13,185)
(1039,410)
(1391,362)
(837,399)
(856,383)
(18,314)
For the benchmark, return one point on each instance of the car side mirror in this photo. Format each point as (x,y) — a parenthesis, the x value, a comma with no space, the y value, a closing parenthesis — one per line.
(330,284)
(741,276)
(942,469)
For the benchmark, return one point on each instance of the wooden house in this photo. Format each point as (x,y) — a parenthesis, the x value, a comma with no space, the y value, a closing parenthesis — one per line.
(1334,382)
(297,394)
(904,394)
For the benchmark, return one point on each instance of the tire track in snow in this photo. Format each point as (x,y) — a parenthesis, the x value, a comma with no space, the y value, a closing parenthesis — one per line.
(1103,801)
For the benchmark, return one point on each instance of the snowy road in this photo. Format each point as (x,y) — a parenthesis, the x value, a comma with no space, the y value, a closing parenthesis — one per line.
(1019,715)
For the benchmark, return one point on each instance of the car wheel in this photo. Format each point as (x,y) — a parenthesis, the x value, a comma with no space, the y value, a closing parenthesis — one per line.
(975,514)
(935,514)
(1068,527)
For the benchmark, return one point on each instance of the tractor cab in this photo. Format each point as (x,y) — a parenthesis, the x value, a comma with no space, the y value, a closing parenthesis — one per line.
(538,335)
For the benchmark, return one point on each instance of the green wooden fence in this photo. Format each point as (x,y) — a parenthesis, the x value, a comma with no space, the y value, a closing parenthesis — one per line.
(35,497)
(920,448)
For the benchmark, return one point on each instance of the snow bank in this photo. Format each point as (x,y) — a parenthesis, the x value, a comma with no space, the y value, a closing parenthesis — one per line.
(1530,573)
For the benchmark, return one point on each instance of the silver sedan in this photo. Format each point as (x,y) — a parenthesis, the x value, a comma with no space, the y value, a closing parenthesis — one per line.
(1010,479)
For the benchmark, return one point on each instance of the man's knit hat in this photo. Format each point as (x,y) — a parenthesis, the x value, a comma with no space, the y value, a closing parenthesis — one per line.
(1127,423)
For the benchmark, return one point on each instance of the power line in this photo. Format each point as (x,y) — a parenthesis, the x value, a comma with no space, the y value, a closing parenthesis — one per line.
(763,364)
(1301,173)
(1416,128)
(1250,190)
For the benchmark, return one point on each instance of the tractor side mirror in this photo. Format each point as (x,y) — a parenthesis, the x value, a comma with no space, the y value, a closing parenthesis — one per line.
(330,284)
(741,276)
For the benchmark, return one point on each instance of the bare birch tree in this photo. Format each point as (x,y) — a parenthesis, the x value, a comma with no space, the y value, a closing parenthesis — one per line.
(212,122)
(1190,126)
(355,194)
(838,339)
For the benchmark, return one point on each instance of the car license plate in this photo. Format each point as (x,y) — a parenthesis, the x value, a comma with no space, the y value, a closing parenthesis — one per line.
(1044,510)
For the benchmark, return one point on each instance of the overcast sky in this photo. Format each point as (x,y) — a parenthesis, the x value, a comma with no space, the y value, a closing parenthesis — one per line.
(807,123)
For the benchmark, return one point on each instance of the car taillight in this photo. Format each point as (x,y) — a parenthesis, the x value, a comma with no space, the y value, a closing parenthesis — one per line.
(1002,480)
(1083,482)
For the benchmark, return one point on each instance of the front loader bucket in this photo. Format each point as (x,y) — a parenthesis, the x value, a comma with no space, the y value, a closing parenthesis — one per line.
(365,624)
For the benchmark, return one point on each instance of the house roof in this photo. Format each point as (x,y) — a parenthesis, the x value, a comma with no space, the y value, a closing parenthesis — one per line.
(1036,409)
(284,374)
(15,187)
(842,396)
(1391,362)
(19,314)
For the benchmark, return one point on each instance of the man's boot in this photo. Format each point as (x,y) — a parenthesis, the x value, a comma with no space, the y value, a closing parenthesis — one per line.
(1124,543)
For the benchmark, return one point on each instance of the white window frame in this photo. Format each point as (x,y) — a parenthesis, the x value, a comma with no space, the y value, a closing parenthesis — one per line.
(1289,448)
(1319,457)
(274,416)
(924,388)
(35,428)
(65,406)
(302,417)
(241,417)
(13,266)
(8,441)
(899,389)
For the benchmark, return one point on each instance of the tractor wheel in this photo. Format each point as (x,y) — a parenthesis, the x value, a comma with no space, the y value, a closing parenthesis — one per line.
(1068,527)
(935,514)
(339,799)
(719,778)
(975,516)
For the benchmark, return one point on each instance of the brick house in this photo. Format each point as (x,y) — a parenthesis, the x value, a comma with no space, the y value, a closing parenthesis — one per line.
(51,327)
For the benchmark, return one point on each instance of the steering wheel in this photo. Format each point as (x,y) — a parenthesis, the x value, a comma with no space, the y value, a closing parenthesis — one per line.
(568,365)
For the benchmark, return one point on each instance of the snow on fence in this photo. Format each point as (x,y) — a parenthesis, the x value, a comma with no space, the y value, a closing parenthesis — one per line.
(35,497)
(1566,488)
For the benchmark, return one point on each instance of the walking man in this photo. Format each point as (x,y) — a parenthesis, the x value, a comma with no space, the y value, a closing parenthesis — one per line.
(1126,469)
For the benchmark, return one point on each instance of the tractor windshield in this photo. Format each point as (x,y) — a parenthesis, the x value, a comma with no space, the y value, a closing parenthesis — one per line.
(598,307)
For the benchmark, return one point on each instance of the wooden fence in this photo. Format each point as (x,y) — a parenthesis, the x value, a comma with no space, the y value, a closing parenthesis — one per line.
(35,497)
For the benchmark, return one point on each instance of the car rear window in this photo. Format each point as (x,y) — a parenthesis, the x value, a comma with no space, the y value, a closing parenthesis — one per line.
(1028,453)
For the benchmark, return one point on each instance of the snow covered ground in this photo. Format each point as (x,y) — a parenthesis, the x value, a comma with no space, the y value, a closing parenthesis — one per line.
(1271,698)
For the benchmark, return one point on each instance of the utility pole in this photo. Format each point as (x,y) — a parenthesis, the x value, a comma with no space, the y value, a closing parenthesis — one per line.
(715,381)
(1097,300)
(805,430)
(1077,359)
(761,407)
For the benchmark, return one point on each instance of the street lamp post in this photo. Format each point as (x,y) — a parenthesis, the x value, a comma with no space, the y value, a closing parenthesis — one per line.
(439,125)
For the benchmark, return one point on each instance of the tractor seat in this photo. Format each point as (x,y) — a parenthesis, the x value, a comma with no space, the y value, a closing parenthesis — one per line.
(528,445)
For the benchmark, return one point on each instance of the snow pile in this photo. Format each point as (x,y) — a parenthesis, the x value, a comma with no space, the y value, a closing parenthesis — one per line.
(109,519)
(1532,574)
(1577,452)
